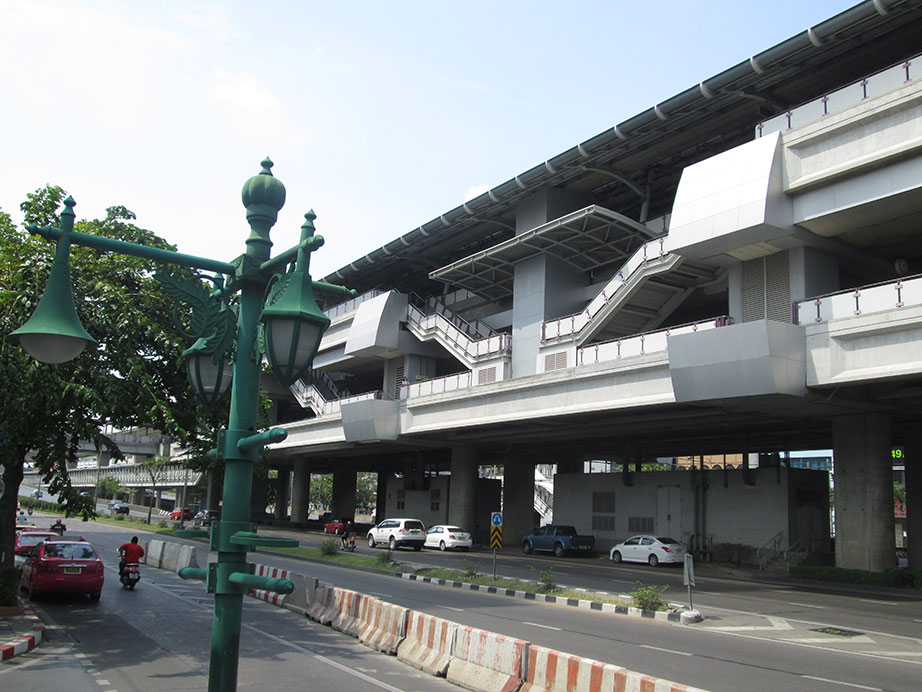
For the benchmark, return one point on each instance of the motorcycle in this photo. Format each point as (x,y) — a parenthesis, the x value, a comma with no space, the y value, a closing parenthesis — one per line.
(349,544)
(130,575)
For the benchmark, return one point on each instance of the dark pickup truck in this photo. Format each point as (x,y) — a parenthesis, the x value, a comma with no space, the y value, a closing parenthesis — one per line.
(558,539)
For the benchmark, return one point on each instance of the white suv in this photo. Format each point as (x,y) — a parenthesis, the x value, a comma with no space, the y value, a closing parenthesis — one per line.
(398,532)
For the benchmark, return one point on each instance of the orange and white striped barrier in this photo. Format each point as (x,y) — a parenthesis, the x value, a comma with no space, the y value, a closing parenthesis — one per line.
(320,608)
(350,610)
(428,643)
(384,626)
(486,662)
(554,671)
(274,573)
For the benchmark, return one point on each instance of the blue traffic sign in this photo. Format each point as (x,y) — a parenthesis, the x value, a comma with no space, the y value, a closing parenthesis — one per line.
(496,519)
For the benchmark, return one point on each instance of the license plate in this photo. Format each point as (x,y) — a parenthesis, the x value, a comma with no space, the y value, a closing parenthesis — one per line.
(72,570)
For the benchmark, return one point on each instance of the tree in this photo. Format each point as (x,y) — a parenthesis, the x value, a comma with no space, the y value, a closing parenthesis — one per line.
(156,468)
(108,486)
(134,378)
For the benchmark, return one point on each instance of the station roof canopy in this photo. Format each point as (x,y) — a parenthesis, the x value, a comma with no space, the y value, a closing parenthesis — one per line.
(637,163)
(587,239)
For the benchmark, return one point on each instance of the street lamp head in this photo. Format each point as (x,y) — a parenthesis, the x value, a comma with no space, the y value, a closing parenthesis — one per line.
(209,374)
(54,334)
(263,194)
(294,325)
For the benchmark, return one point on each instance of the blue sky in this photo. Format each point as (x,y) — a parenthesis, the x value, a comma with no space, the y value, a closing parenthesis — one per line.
(379,115)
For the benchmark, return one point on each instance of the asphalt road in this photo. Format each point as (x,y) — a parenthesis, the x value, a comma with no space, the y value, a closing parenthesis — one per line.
(755,637)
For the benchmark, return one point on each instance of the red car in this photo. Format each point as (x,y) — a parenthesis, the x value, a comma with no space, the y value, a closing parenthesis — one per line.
(63,566)
(183,512)
(26,540)
(334,526)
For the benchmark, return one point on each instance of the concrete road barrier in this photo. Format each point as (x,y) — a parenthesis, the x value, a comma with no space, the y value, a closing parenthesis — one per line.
(350,608)
(486,662)
(153,553)
(384,625)
(320,607)
(170,559)
(554,671)
(428,643)
(273,573)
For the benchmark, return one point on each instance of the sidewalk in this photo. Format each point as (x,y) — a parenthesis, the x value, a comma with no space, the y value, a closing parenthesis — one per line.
(19,633)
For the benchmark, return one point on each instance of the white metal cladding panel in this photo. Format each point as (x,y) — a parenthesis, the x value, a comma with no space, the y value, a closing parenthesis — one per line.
(778,287)
(754,290)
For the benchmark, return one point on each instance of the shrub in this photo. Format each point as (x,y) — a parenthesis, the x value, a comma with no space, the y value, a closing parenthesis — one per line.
(119,517)
(546,583)
(384,558)
(330,546)
(469,570)
(650,597)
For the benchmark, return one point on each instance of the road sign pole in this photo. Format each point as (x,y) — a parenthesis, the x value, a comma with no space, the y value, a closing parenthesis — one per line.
(494,564)
(688,577)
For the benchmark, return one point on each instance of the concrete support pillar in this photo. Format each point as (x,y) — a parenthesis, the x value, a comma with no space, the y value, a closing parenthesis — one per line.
(570,465)
(259,498)
(300,492)
(282,491)
(343,505)
(462,500)
(913,473)
(384,478)
(863,492)
(518,501)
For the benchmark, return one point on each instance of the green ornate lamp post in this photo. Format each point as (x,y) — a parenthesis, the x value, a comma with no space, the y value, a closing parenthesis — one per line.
(290,324)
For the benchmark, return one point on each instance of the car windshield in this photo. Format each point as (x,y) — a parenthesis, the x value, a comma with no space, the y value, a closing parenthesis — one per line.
(666,539)
(415,525)
(32,538)
(70,551)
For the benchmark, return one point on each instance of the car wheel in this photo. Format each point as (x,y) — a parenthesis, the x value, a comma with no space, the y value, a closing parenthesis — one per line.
(371,541)
(653,560)
(418,547)
(526,548)
(616,557)
(442,546)
(95,596)
(559,550)
(465,549)
(391,543)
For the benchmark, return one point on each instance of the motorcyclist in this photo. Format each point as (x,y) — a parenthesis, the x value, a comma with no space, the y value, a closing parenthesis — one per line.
(348,531)
(130,552)
(58,527)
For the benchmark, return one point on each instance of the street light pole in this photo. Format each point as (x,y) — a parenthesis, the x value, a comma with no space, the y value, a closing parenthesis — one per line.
(293,325)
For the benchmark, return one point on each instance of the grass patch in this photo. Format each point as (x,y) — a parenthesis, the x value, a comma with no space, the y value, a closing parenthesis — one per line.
(339,558)
(895,576)
(516,585)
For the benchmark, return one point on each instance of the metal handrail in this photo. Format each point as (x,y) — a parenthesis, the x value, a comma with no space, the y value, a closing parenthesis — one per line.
(775,542)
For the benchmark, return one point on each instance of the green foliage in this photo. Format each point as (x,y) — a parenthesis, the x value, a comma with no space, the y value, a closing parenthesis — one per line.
(384,558)
(134,379)
(329,546)
(650,597)
(894,576)
(108,486)
(366,489)
(469,569)
(546,581)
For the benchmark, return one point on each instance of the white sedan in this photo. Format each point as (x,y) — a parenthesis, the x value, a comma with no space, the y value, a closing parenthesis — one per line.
(448,538)
(649,549)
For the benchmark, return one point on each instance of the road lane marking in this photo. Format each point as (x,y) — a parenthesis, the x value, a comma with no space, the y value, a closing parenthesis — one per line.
(460,610)
(806,605)
(871,600)
(544,627)
(668,651)
(839,682)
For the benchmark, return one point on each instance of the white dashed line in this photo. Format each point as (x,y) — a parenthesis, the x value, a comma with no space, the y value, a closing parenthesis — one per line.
(668,651)
(807,605)
(839,682)
(544,627)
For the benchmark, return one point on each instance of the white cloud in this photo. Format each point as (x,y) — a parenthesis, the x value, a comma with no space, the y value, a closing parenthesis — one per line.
(475,191)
